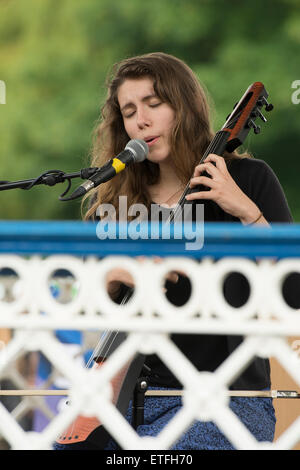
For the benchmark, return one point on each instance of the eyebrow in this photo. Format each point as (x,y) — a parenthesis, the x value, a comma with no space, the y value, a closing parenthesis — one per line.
(146,98)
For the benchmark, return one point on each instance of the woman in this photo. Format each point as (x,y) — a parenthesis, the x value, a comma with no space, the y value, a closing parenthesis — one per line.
(157,98)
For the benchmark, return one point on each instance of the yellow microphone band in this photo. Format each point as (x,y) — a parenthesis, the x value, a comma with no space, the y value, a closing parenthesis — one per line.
(118,165)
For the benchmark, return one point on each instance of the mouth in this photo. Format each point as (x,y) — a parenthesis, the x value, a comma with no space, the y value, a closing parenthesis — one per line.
(151,140)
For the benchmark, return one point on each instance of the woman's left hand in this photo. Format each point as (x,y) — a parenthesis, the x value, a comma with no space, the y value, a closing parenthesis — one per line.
(223,190)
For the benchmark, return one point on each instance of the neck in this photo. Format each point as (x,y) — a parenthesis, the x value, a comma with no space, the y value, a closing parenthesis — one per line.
(168,187)
(168,176)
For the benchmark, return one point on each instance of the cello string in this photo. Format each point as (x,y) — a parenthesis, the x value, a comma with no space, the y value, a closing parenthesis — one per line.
(112,334)
(173,215)
(96,352)
(211,148)
(105,337)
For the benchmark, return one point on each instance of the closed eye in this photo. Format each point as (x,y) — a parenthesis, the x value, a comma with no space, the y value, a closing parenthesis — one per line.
(129,115)
(154,105)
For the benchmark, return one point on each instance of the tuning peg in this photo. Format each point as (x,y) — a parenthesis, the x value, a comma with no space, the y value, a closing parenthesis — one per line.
(262,117)
(256,128)
(263,102)
(256,113)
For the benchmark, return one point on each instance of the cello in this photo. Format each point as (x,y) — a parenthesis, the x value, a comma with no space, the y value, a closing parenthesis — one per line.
(88,432)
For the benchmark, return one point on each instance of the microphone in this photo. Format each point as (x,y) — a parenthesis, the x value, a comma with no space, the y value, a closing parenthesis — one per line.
(135,151)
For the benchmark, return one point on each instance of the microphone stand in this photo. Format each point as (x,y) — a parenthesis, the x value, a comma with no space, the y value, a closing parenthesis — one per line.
(49,178)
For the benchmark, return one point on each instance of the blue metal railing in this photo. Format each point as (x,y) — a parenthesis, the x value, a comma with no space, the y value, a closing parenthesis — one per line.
(80,239)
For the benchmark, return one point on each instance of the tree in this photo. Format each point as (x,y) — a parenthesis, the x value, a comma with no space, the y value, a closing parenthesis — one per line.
(55,56)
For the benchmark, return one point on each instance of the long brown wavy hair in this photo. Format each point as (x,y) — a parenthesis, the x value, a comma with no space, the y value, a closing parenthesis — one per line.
(174,83)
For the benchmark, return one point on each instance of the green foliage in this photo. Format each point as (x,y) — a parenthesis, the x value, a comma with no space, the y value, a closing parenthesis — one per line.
(55,56)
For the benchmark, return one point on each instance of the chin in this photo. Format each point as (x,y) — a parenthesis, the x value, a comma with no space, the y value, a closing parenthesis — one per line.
(159,158)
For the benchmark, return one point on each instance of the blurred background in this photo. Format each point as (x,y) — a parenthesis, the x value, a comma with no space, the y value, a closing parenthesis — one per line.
(55,56)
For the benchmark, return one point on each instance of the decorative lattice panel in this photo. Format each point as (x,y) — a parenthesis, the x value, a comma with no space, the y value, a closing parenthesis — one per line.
(33,314)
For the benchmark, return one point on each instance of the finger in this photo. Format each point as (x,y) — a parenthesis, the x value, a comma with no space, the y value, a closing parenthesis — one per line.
(219,161)
(208,167)
(202,180)
(201,195)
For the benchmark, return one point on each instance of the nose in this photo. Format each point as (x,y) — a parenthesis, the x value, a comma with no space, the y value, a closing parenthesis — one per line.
(142,118)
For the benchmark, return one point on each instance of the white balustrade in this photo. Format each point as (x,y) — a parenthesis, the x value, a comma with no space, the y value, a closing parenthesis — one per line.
(34,314)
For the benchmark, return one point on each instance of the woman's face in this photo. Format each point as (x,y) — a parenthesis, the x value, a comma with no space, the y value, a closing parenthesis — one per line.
(146,117)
